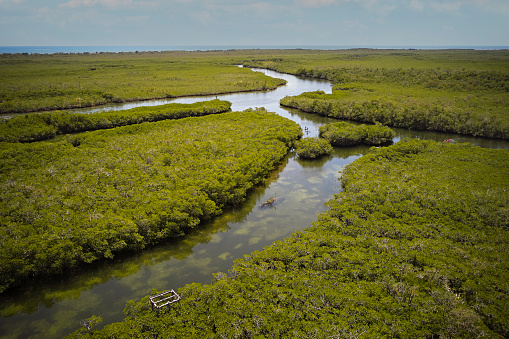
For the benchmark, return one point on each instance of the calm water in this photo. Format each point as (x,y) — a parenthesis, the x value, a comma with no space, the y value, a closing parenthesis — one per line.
(120,49)
(53,310)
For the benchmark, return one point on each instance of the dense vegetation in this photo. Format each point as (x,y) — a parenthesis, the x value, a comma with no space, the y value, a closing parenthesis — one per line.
(456,91)
(345,134)
(415,247)
(56,81)
(37,127)
(461,91)
(408,112)
(64,203)
(312,148)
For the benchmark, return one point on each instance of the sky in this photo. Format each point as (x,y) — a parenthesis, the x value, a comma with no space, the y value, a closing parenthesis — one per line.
(359,23)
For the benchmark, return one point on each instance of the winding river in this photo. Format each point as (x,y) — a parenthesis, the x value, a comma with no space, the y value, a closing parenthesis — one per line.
(54,309)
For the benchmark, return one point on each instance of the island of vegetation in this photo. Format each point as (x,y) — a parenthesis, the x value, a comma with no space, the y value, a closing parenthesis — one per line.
(312,148)
(76,199)
(409,249)
(43,126)
(342,133)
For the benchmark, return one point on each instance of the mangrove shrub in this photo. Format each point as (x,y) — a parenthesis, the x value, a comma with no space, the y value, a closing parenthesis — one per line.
(404,113)
(312,148)
(42,126)
(414,247)
(64,203)
(345,134)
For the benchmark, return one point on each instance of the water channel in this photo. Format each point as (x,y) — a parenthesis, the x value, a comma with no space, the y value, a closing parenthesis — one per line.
(54,309)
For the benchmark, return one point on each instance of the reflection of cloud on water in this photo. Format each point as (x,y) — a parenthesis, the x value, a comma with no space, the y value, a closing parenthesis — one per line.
(300,195)
(199,262)
(317,189)
(297,186)
(284,181)
(315,180)
(102,286)
(224,256)
(41,326)
(216,238)
(134,282)
(255,240)
(63,319)
(246,227)
(242,231)
(311,204)
(276,233)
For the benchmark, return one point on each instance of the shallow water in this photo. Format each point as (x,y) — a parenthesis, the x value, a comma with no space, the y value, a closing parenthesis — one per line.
(54,309)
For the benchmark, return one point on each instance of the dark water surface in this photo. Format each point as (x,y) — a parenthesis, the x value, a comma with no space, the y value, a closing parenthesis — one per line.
(53,310)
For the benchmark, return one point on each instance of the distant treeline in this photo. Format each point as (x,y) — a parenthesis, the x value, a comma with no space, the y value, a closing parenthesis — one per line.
(31,83)
(433,78)
(414,247)
(43,126)
(71,201)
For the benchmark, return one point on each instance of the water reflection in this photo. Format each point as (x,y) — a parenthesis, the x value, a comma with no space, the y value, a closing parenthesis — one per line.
(213,247)
(54,309)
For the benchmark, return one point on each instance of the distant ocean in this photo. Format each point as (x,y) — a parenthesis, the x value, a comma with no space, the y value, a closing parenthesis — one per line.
(118,49)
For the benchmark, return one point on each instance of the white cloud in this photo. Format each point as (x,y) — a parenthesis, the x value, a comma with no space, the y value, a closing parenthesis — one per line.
(384,9)
(317,3)
(259,6)
(379,7)
(105,3)
(446,6)
(203,17)
(497,6)
(218,12)
(353,25)
(417,5)
(300,21)
(321,3)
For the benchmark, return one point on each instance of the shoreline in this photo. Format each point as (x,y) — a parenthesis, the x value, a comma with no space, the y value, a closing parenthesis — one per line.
(152,49)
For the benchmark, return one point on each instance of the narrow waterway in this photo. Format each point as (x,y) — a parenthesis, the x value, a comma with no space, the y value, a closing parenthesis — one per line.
(52,310)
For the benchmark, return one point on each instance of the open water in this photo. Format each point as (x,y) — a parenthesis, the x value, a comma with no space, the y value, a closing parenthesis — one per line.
(120,49)
(54,309)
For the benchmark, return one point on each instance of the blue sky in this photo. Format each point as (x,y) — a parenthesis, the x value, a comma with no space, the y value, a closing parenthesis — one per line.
(254,23)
